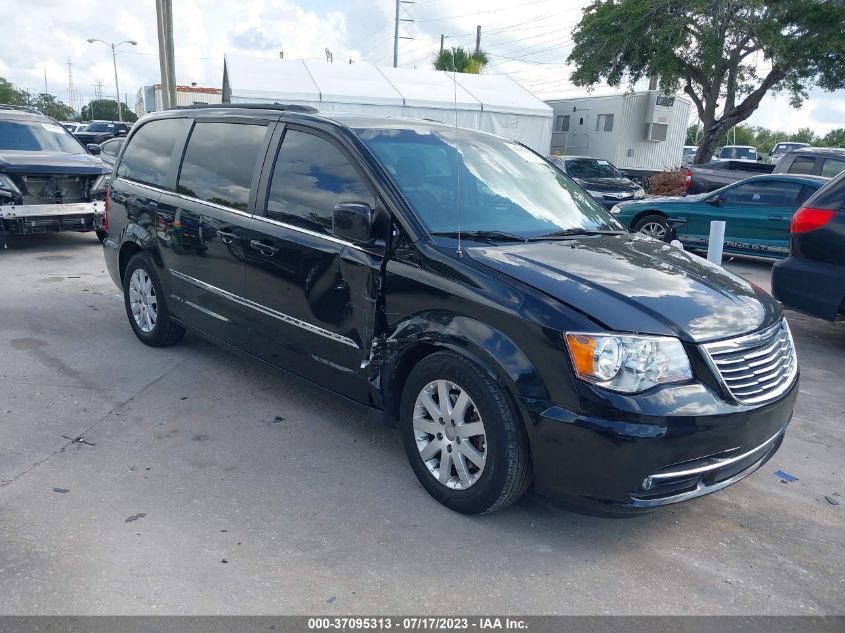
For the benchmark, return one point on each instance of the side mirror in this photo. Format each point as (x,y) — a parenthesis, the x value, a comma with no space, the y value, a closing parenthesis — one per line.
(716,201)
(121,132)
(759,158)
(93,148)
(353,221)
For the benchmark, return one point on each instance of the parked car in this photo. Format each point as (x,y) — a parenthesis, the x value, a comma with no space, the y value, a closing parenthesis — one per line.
(738,152)
(98,132)
(600,178)
(48,182)
(688,154)
(109,150)
(708,177)
(819,161)
(72,126)
(480,300)
(812,278)
(758,212)
(781,149)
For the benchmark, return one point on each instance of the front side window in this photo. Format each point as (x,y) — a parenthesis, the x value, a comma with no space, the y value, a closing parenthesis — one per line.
(802,165)
(147,157)
(219,163)
(310,177)
(503,186)
(37,136)
(832,167)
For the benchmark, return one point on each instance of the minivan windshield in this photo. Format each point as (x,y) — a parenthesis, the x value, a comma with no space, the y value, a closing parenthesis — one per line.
(502,187)
(585,168)
(37,136)
(783,148)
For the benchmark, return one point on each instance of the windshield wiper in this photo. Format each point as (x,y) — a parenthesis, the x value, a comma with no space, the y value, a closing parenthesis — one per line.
(482,235)
(576,233)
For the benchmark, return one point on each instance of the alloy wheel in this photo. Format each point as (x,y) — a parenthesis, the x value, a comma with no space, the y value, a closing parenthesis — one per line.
(142,300)
(449,434)
(654,229)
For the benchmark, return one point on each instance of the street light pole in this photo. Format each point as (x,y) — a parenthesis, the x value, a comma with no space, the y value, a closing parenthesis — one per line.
(113,47)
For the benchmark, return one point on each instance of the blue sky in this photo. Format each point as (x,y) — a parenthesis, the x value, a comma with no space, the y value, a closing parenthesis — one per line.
(528,40)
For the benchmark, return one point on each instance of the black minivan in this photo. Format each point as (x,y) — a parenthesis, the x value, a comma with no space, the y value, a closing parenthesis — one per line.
(461,286)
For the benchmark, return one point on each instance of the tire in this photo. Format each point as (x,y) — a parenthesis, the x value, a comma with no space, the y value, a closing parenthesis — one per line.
(505,473)
(153,327)
(652,225)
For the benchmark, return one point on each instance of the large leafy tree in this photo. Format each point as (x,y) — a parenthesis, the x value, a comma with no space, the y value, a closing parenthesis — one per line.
(726,55)
(48,104)
(106,110)
(834,138)
(460,60)
(11,95)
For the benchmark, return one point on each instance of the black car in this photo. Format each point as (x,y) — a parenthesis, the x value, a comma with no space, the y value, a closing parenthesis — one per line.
(101,131)
(812,278)
(816,161)
(462,288)
(600,178)
(48,182)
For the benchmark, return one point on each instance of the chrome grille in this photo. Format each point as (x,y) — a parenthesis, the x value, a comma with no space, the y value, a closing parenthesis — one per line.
(757,367)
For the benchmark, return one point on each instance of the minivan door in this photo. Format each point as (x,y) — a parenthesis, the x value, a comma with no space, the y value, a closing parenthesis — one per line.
(313,293)
(203,225)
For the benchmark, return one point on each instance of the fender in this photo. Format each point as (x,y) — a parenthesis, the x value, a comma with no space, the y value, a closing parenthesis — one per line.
(421,334)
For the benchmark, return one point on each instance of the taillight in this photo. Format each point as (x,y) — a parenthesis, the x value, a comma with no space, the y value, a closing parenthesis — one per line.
(687,178)
(809,219)
(106,209)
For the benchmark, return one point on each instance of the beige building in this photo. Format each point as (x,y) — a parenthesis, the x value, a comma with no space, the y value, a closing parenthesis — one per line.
(149,97)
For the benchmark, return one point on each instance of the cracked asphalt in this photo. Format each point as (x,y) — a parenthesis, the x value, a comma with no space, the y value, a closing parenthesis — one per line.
(192,481)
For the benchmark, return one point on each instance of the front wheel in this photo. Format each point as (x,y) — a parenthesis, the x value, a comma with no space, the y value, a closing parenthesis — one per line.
(462,436)
(145,304)
(656,226)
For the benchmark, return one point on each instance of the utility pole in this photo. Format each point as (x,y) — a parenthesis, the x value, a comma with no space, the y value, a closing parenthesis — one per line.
(45,81)
(442,37)
(70,90)
(396,36)
(166,62)
(477,39)
(113,46)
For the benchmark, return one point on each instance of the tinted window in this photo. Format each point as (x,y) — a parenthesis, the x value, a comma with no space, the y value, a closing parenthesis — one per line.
(37,136)
(802,165)
(219,162)
(747,153)
(147,157)
(311,176)
(773,193)
(832,166)
(591,168)
(100,127)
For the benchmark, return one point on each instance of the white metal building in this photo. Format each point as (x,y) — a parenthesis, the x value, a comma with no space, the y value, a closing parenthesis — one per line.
(491,103)
(149,98)
(642,131)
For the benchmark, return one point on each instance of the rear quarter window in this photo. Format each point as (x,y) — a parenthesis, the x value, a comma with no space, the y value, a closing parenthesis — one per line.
(802,165)
(147,158)
(832,167)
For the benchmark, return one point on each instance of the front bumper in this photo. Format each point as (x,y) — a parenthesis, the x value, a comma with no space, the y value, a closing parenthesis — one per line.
(46,218)
(684,442)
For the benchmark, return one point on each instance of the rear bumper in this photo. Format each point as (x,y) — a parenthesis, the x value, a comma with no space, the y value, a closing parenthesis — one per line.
(49,218)
(815,288)
(647,460)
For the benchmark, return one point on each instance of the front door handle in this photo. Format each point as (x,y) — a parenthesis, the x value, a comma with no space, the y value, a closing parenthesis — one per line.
(264,249)
(775,218)
(227,237)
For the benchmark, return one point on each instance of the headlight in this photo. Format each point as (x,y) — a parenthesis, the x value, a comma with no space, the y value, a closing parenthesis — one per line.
(639,193)
(616,209)
(627,363)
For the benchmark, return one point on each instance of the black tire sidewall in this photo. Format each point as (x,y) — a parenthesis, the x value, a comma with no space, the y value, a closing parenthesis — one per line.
(654,217)
(159,333)
(485,492)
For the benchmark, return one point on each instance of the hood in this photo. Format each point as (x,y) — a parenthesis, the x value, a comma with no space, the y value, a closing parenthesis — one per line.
(50,163)
(607,184)
(632,283)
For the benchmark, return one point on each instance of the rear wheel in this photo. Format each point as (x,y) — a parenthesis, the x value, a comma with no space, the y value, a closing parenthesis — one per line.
(145,304)
(656,226)
(462,436)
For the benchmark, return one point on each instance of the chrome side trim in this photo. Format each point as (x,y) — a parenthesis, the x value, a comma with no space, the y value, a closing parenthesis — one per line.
(717,463)
(200,308)
(298,229)
(265,310)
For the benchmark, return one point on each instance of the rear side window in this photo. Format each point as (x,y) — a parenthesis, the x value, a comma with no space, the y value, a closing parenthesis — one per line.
(220,161)
(310,177)
(802,165)
(772,193)
(832,167)
(147,157)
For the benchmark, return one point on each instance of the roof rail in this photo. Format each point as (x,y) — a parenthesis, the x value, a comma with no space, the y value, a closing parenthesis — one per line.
(289,107)
(21,108)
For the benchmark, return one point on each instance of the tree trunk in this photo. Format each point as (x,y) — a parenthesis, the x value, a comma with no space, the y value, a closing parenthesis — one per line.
(710,138)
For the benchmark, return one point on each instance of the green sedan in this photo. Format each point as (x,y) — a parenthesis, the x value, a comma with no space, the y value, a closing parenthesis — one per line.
(757,211)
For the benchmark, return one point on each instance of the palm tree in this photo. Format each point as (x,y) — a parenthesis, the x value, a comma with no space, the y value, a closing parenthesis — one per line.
(459,60)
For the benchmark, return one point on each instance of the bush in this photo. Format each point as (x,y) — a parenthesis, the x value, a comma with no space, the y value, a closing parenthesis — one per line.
(669,182)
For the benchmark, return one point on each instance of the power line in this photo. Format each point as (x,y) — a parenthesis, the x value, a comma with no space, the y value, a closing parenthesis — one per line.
(466,15)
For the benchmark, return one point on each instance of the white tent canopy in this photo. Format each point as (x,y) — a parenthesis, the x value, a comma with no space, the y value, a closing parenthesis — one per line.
(490,103)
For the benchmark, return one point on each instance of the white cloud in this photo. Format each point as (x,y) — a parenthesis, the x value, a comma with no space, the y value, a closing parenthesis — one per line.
(528,40)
